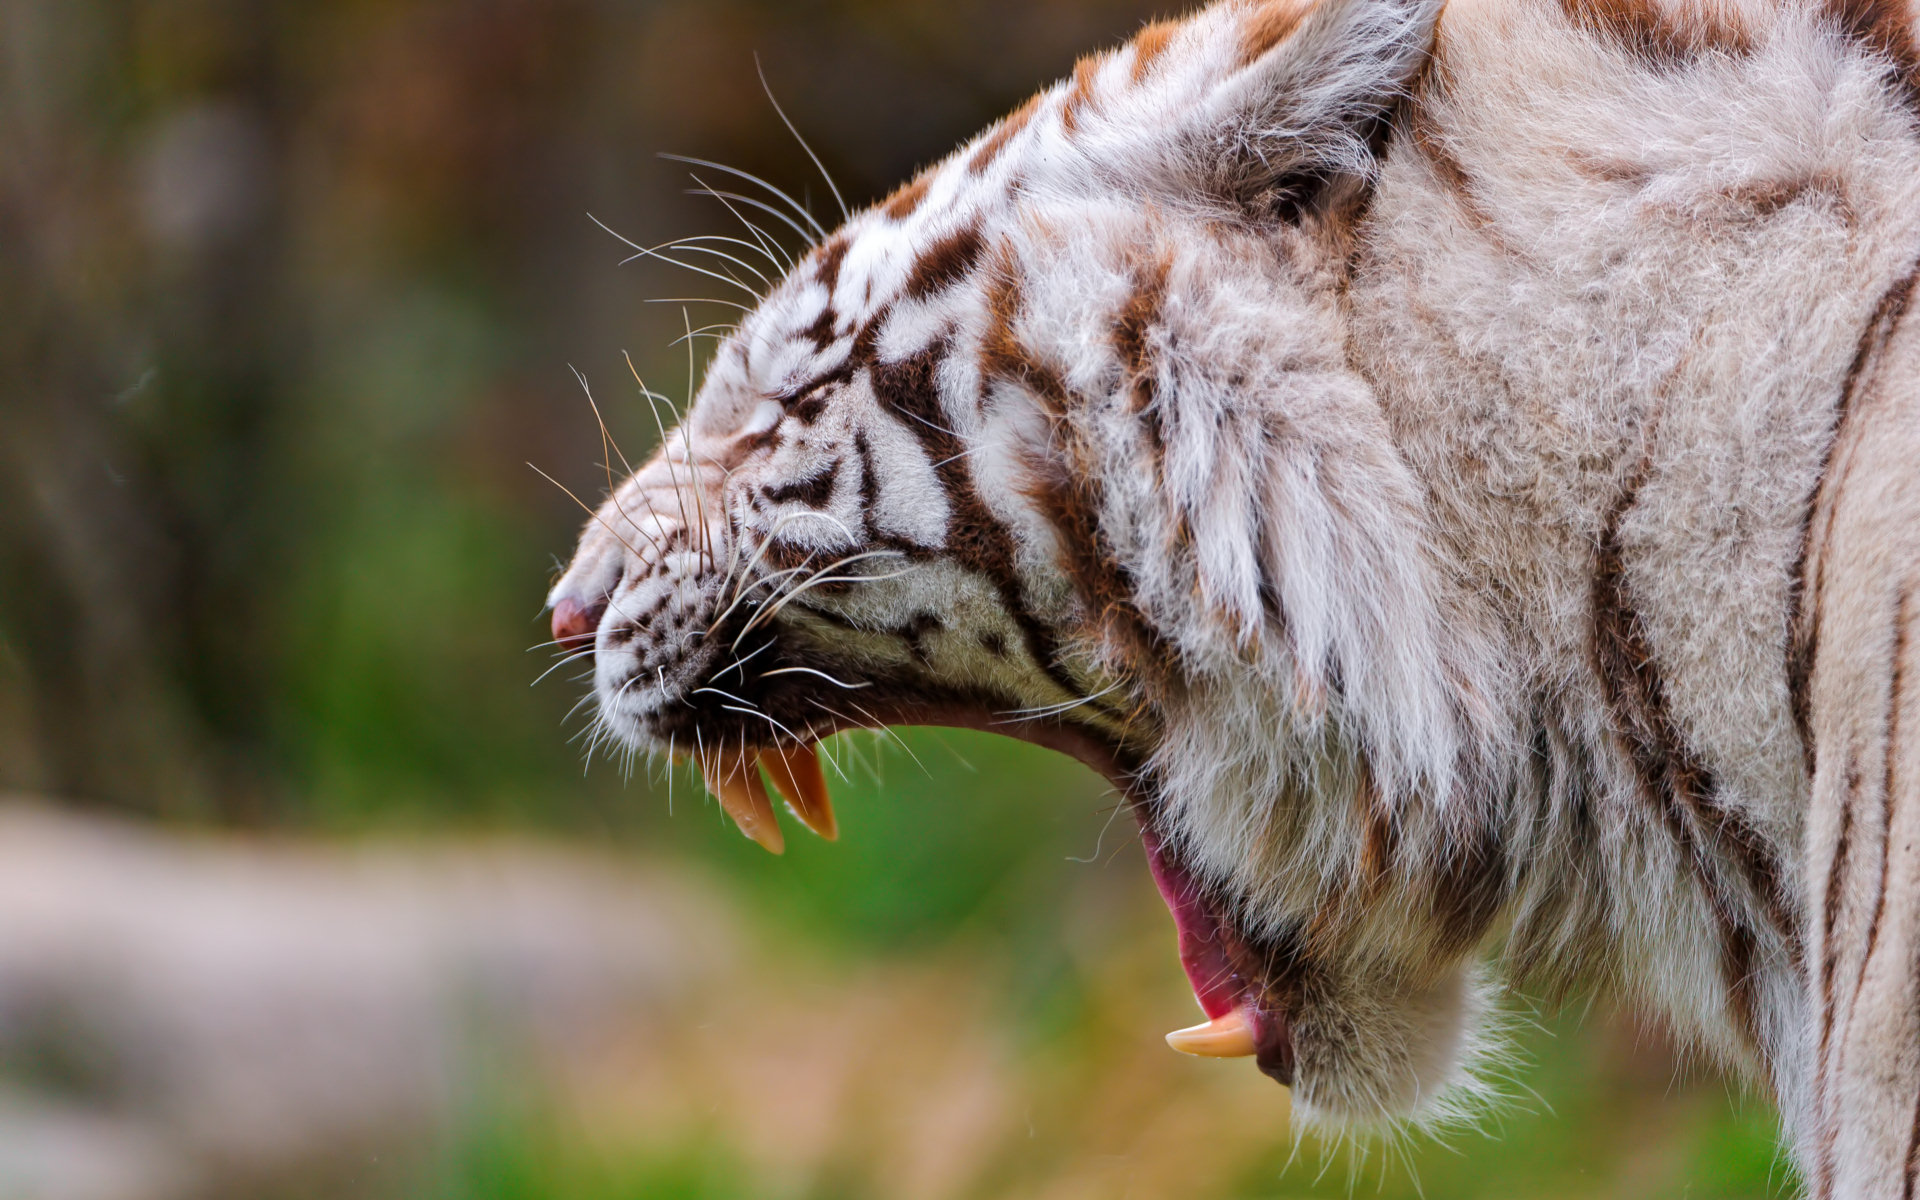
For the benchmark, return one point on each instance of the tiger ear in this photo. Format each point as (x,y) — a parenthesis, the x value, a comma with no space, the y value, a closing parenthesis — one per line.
(1255,104)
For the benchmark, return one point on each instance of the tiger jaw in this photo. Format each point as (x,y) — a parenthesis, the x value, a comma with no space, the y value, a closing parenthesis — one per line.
(708,715)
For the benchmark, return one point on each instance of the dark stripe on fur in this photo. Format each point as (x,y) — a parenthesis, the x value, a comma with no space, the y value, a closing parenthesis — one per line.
(975,539)
(1887,780)
(1672,778)
(1149,44)
(1269,25)
(1887,27)
(1830,906)
(906,200)
(945,263)
(1659,38)
(1065,482)
(1003,133)
(1804,596)
(1081,94)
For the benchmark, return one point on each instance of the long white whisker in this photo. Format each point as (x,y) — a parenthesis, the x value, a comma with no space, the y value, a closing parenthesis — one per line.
(583,504)
(679,495)
(606,440)
(773,249)
(1054,710)
(724,332)
(740,664)
(768,614)
(686,438)
(798,208)
(734,259)
(745,308)
(822,167)
(756,246)
(761,205)
(897,739)
(852,687)
(722,276)
(571,658)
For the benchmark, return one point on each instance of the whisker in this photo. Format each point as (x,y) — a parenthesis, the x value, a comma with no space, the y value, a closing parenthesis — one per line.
(881,727)
(724,331)
(1053,710)
(774,250)
(761,205)
(679,495)
(571,658)
(739,664)
(852,687)
(590,512)
(798,208)
(722,276)
(688,245)
(822,167)
(745,308)
(768,614)
(606,440)
(929,424)
(725,695)
(686,438)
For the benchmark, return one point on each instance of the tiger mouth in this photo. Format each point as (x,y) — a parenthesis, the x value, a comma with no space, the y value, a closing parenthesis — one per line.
(1222,967)
(1231,977)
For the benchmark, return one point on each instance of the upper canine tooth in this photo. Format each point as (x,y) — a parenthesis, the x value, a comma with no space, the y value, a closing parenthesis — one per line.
(795,772)
(1229,1035)
(734,779)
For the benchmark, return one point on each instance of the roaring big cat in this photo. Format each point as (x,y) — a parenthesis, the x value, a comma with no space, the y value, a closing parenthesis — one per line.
(1455,470)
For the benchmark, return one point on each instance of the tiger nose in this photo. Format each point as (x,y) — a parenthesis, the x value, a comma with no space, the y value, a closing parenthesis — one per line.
(574,623)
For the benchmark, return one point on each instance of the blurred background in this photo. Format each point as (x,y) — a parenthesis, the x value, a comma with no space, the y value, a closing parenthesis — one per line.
(307,891)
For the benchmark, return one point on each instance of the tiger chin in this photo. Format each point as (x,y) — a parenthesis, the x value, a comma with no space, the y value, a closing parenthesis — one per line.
(1451,473)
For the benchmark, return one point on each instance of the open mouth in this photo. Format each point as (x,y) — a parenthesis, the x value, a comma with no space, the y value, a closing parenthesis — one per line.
(1221,966)
(1230,976)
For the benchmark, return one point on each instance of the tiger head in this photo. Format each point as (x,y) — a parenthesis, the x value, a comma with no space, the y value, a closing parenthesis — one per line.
(1062,441)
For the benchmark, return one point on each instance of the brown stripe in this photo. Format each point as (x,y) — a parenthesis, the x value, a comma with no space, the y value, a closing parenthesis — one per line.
(1132,326)
(1429,141)
(1064,482)
(902,203)
(1081,94)
(1149,44)
(1269,25)
(1830,906)
(1803,618)
(1913,1153)
(1887,781)
(975,539)
(1674,781)
(1003,133)
(1004,356)
(828,260)
(946,262)
(1658,37)
(1886,26)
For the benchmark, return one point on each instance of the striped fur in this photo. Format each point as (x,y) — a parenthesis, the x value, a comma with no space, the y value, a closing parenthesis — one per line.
(1455,476)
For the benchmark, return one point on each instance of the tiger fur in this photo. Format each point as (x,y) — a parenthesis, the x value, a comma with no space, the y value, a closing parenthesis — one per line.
(1455,473)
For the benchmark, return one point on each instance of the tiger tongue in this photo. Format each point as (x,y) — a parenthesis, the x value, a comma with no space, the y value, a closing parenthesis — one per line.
(734,779)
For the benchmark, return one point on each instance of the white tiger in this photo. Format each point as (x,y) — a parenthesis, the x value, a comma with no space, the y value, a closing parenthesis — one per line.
(1458,475)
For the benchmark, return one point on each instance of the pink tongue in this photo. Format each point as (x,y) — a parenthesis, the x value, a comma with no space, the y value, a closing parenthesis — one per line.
(1214,983)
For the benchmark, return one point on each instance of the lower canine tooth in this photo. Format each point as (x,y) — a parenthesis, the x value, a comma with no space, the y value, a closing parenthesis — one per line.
(1226,1036)
(734,780)
(796,775)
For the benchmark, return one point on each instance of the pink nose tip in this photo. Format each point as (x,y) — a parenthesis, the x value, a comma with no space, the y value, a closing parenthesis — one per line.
(574,624)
